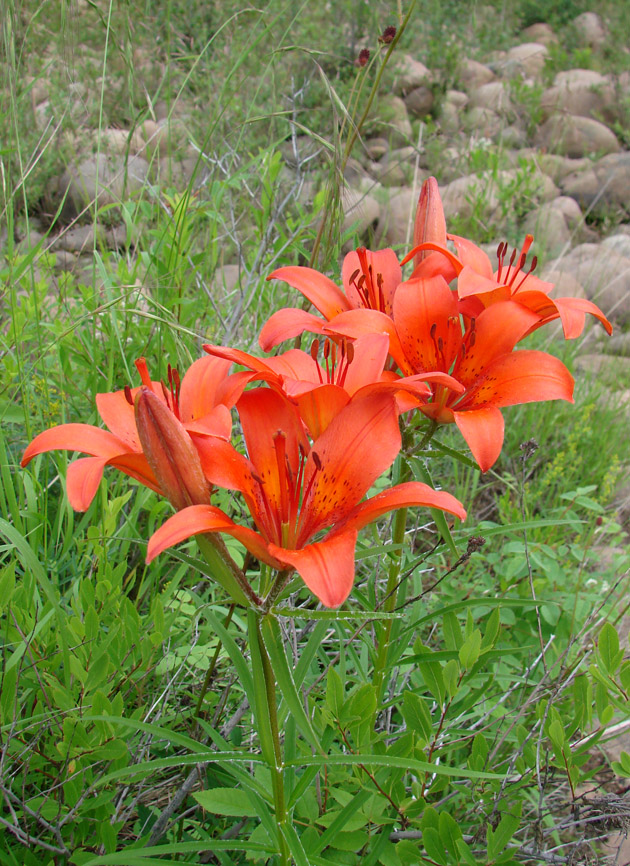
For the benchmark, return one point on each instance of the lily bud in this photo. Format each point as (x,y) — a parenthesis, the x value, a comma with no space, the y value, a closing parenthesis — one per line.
(170,452)
(430,224)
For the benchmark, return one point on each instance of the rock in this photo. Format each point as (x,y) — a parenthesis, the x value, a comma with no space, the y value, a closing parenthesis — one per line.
(569,77)
(610,369)
(569,209)
(376,147)
(526,60)
(110,176)
(397,215)
(473,74)
(457,98)
(420,101)
(391,121)
(589,95)
(540,32)
(410,74)
(558,167)
(605,185)
(449,118)
(619,344)
(469,194)
(583,186)
(606,277)
(565,284)
(482,122)
(619,244)
(390,172)
(512,137)
(590,29)
(576,136)
(360,210)
(121,141)
(77,239)
(550,229)
(117,237)
(181,172)
(494,96)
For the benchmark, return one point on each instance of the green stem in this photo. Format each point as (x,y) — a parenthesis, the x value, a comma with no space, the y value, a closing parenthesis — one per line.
(393,577)
(226,571)
(282,578)
(277,777)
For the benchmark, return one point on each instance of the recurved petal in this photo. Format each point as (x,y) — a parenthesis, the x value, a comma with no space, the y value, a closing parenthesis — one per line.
(286,324)
(483,430)
(327,567)
(325,295)
(82,480)
(198,519)
(118,414)
(572,313)
(525,376)
(76,437)
(412,493)
(497,330)
(198,395)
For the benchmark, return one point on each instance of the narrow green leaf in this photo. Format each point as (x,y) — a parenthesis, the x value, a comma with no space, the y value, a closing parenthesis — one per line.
(401,763)
(272,637)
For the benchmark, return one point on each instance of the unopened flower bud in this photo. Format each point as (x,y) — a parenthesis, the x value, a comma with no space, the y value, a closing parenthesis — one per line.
(430,224)
(362,59)
(170,452)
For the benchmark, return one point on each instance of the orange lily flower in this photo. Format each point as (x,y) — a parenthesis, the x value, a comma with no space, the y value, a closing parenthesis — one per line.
(201,402)
(428,332)
(369,279)
(295,492)
(321,391)
(477,284)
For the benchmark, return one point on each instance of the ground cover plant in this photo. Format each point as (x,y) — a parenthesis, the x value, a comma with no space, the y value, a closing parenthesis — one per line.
(338,580)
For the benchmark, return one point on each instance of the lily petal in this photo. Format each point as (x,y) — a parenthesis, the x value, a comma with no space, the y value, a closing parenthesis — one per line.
(76,437)
(412,493)
(357,323)
(326,567)
(118,414)
(319,406)
(525,376)
(198,519)
(82,480)
(198,394)
(349,461)
(483,429)
(286,324)
(382,262)
(325,295)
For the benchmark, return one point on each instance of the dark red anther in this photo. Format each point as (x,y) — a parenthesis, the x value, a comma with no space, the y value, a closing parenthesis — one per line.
(128,396)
